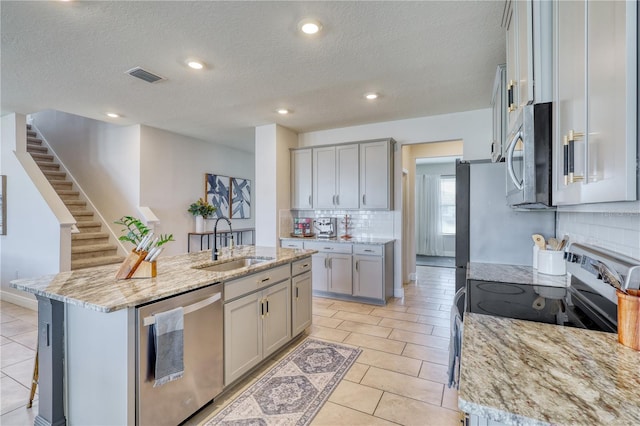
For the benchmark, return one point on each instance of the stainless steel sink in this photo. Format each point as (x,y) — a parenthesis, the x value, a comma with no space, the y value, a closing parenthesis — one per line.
(231,264)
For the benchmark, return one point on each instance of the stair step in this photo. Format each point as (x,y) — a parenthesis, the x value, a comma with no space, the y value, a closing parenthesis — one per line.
(89,238)
(34,141)
(95,261)
(89,226)
(48,165)
(28,126)
(67,194)
(61,184)
(55,175)
(75,204)
(92,251)
(84,215)
(41,157)
(32,134)
(37,149)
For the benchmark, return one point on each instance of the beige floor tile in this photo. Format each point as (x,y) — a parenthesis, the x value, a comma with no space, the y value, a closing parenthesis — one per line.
(428,312)
(326,321)
(4,340)
(29,339)
(438,322)
(420,339)
(13,310)
(21,372)
(358,327)
(356,317)
(333,414)
(327,333)
(387,361)
(322,302)
(12,328)
(12,395)
(407,411)
(357,397)
(5,317)
(450,399)
(442,332)
(394,307)
(14,352)
(395,315)
(407,325)
(31,318)
(437,356)
(401,384)
(356,372)
(324,312)
(358,308)
(434,372)
(377,343)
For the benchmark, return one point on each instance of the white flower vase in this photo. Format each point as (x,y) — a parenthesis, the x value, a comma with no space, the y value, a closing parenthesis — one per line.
(199,224)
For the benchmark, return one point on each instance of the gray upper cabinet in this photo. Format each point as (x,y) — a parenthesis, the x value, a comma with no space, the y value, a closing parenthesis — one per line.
(595,102)
(301,178)
(376,171)
(335,177)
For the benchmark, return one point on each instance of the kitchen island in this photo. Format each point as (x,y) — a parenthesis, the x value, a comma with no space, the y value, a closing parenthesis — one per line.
(88,325)
(516,372)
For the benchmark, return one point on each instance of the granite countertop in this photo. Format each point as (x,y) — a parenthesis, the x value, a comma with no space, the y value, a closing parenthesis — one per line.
(516,274)
(97,288)
(352,240)
(528,373)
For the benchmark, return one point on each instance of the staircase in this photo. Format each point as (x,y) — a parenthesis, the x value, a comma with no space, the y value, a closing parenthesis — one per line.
(90,247)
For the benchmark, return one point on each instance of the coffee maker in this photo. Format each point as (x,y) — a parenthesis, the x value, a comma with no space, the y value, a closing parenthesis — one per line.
(327,227)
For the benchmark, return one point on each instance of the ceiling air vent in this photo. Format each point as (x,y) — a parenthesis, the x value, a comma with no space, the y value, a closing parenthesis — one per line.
(145,75)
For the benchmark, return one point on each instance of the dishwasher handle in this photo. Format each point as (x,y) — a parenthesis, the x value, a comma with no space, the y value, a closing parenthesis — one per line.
(150,320)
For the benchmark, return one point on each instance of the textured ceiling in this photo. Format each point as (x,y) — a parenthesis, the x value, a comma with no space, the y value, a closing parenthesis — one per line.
(425,58)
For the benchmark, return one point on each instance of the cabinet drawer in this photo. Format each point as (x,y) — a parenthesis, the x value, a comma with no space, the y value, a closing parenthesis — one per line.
(368,249)
(328,247)
(300,266)
(291,244)
(253,282)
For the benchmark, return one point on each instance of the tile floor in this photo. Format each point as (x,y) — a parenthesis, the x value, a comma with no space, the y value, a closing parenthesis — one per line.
(400,377)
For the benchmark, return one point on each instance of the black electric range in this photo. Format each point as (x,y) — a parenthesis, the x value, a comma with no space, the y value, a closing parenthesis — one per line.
(588,301)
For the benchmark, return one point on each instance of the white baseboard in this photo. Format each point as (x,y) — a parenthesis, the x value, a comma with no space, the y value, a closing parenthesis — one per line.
(26,301)
(412,276)
(398,292)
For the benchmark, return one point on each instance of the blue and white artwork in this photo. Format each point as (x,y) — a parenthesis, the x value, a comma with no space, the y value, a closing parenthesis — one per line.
(217,193)
(240,198)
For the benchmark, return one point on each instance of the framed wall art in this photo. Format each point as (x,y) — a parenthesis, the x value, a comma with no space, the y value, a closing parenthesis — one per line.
(217,193)
(240,198)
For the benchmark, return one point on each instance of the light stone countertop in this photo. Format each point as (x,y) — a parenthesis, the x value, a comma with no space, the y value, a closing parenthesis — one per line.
(528,373)
(352,240)
(516,274)
(97,288)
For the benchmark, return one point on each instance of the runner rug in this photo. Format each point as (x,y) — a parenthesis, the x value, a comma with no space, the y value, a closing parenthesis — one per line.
(294,390)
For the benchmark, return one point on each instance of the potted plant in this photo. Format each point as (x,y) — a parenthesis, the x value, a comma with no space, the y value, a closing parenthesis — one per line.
(201,209)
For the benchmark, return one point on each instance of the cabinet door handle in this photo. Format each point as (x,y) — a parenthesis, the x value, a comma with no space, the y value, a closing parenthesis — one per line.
(330,263)
(572,137)
(326,264)
(364,199)
(368,250)
(262,309)
(337,200)
(267,307)
(334,200)
(565,157)
(510,101)
(357,265)
(265,280)
(296,292)
(306,265)
(510,151)
(310,200)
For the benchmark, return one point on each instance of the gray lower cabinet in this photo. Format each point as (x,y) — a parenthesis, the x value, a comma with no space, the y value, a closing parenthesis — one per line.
(332,273)
(257,319)
(301,303)
(367,276)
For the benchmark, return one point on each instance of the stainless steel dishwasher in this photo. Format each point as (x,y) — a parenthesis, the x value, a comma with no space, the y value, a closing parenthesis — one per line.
(173,402)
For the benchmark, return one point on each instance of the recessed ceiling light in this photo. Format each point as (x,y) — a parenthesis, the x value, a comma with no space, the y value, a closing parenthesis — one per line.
(283,111)
(371,96)
(113,115)
(309,26)
(196,65)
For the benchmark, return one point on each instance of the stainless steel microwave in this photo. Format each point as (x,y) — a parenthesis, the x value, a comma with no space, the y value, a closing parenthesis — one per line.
(528,158)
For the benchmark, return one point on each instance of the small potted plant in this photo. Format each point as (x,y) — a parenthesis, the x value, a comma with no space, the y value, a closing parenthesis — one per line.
(201,209)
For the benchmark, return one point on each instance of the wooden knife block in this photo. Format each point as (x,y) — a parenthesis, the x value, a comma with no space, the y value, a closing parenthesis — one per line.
(134,266)
(629,318)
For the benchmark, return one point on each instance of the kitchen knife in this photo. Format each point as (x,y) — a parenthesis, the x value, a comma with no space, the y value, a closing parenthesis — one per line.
(142,243)
(539,241)
(151,253)
(156,254)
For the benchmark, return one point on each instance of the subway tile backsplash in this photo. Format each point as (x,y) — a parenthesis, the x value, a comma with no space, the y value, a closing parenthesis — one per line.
(615,231)
(366,224)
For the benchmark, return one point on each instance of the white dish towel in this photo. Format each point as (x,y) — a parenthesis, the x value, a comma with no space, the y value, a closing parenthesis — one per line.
(169,339)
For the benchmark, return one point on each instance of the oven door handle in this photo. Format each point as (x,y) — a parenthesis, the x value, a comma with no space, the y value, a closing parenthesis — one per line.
(510,151)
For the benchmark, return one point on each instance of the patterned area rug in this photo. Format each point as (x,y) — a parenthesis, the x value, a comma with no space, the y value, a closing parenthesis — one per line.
(294,390)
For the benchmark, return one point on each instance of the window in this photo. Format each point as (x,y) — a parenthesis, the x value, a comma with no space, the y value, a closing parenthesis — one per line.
(448,204)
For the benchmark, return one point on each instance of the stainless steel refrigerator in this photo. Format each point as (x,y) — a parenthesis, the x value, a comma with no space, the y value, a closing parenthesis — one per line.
(487,229)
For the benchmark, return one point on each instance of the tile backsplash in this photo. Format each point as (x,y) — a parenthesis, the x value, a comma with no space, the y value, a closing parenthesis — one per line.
(376,224)
(615,231)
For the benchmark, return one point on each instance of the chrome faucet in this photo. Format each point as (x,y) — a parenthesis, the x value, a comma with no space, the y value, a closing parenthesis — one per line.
(214,253)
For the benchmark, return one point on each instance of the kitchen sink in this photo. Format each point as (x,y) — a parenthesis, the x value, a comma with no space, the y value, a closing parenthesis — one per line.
(232,264)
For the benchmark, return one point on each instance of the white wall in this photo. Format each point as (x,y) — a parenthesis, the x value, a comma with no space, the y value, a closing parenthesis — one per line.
(34,240)
(103,158)
(273,179)
(172,176)
(472,127)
